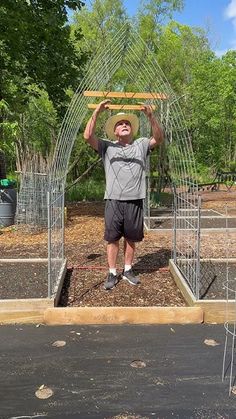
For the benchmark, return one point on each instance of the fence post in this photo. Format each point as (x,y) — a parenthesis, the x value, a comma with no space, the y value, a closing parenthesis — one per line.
(49,243)
(63,226)
(198,270)
(175,232)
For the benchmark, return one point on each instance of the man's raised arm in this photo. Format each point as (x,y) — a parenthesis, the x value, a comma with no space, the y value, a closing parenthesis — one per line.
(89,132)
(157,133)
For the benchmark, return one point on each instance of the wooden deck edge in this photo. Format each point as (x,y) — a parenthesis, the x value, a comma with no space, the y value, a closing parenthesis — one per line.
(123,315)
(21,316)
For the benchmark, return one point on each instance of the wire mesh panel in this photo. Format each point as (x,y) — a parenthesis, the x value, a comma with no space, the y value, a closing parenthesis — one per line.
(187,241)
(230,334)
(229,286)
(56,257)
(32,200)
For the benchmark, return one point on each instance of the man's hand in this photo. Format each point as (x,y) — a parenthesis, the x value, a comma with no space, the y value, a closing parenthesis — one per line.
(147,109)
(102,106)
(89,132)
(157,133)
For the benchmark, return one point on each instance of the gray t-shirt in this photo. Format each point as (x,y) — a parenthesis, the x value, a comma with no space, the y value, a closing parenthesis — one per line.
(124,168)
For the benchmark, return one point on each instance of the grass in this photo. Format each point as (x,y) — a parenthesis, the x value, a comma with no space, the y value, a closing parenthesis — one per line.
(89,190)
(161,199)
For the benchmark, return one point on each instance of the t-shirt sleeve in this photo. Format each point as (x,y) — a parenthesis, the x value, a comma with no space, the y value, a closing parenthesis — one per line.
(145,145)
(102,147)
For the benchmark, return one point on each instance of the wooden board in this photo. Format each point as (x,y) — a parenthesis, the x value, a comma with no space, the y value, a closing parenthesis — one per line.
(26,304)
(128,95)
(214,311)
(181,284)
(121,315)
(217,311)
(60,283)
(124,107)
(21,316)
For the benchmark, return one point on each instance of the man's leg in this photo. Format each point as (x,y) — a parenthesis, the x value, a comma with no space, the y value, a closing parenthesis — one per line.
(133,232)
(129,249)
(112,253)
(113,233)
(128,274)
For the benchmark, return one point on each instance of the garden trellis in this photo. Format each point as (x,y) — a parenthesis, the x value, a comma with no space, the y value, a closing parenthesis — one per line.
(140,73)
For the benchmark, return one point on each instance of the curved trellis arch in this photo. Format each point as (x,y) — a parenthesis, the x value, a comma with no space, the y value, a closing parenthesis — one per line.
(128,51)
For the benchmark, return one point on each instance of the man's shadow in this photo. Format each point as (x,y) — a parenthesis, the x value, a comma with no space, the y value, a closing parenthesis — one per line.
(151,262)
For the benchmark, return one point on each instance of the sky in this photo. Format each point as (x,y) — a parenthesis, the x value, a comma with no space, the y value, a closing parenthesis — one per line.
(217,16)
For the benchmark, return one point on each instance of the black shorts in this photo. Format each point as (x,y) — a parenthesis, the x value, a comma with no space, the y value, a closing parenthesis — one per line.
(123,218)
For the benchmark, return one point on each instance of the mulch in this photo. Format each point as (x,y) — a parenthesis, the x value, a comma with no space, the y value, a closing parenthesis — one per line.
(87,267)
(84,282)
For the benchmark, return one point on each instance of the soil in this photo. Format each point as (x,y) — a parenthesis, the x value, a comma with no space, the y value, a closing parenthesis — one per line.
(23,280)
(216,277)
(87,266)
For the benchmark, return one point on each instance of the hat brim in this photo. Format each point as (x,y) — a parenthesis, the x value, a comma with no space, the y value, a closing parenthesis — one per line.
(112,121)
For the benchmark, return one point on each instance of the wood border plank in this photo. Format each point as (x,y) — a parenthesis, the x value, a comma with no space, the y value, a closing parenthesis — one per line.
(26,304)
(121,106)
(123,315)
(215,311)
(22,316)
(181,284)
(125,95)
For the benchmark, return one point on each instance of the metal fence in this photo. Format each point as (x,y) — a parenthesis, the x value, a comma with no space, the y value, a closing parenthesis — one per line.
(186,241)
(32,200)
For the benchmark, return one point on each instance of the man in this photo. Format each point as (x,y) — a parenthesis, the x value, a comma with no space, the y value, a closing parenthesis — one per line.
(124,162)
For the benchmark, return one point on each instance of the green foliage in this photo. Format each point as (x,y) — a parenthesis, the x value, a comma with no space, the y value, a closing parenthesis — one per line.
(40,124)
(43,51)
(151,16)
(97,24)
(212,99)
(8,130)
(179,48)
(89,190)
(36,48)
(39,65)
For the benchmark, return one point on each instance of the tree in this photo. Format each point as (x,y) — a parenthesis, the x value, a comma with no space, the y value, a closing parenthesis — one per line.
(151,17)
(98,24)
(180,47)
(36,48)
(212,100)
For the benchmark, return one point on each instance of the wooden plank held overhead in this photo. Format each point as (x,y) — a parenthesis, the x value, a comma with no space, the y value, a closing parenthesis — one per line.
(124,107)
(125,95)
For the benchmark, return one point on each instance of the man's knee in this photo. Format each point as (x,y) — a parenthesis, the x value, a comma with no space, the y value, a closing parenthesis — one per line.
(131,243)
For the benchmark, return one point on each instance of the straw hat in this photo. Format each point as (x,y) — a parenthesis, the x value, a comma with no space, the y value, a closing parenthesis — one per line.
(112,121)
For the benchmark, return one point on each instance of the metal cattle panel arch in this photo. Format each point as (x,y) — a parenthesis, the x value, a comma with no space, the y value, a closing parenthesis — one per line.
(128,51)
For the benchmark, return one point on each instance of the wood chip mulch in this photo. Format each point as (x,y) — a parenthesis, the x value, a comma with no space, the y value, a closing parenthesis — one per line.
(86,254)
